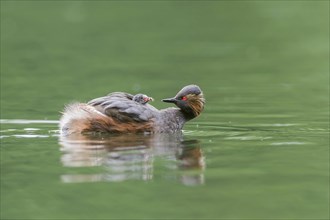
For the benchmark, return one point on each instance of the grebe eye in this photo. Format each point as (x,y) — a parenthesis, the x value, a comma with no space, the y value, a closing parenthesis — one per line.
(184,98)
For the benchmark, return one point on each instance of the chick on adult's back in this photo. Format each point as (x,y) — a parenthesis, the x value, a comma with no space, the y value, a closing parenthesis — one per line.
(119,113)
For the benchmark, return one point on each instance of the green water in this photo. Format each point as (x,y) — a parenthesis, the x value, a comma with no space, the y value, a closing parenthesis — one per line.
(259,150)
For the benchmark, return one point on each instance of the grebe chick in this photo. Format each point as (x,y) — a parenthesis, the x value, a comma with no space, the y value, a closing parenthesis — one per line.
(142,98)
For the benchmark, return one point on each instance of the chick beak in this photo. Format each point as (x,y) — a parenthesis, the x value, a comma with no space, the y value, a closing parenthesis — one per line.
(148,99)
(170,100)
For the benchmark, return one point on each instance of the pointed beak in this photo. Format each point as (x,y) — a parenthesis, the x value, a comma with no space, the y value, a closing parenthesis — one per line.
(148,99)
(170,100)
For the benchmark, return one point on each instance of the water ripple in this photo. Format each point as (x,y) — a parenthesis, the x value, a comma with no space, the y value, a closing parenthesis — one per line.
(30,136)
(32,129)
(288,143)
(24,121)
(248,138)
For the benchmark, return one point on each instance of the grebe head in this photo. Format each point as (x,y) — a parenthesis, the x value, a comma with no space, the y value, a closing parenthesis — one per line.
(142,98)
(190,100)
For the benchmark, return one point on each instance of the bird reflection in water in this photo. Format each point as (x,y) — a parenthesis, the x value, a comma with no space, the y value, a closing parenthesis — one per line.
(133,157)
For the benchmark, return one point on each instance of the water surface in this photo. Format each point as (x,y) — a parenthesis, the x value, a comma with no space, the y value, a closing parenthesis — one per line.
(259,150)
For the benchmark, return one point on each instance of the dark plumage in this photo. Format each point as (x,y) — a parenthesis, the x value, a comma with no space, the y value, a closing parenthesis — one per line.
(121,112)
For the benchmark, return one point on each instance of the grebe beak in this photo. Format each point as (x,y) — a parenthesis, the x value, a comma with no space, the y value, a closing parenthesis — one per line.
(147,99)
(170,100)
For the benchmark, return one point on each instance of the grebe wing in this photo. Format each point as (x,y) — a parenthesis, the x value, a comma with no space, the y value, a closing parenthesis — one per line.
(110,98)
(119,105)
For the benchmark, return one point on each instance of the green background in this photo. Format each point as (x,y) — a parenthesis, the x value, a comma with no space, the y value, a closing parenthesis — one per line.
(262,65)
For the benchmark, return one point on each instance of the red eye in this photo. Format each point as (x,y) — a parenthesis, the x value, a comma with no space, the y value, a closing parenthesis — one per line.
(184,98)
